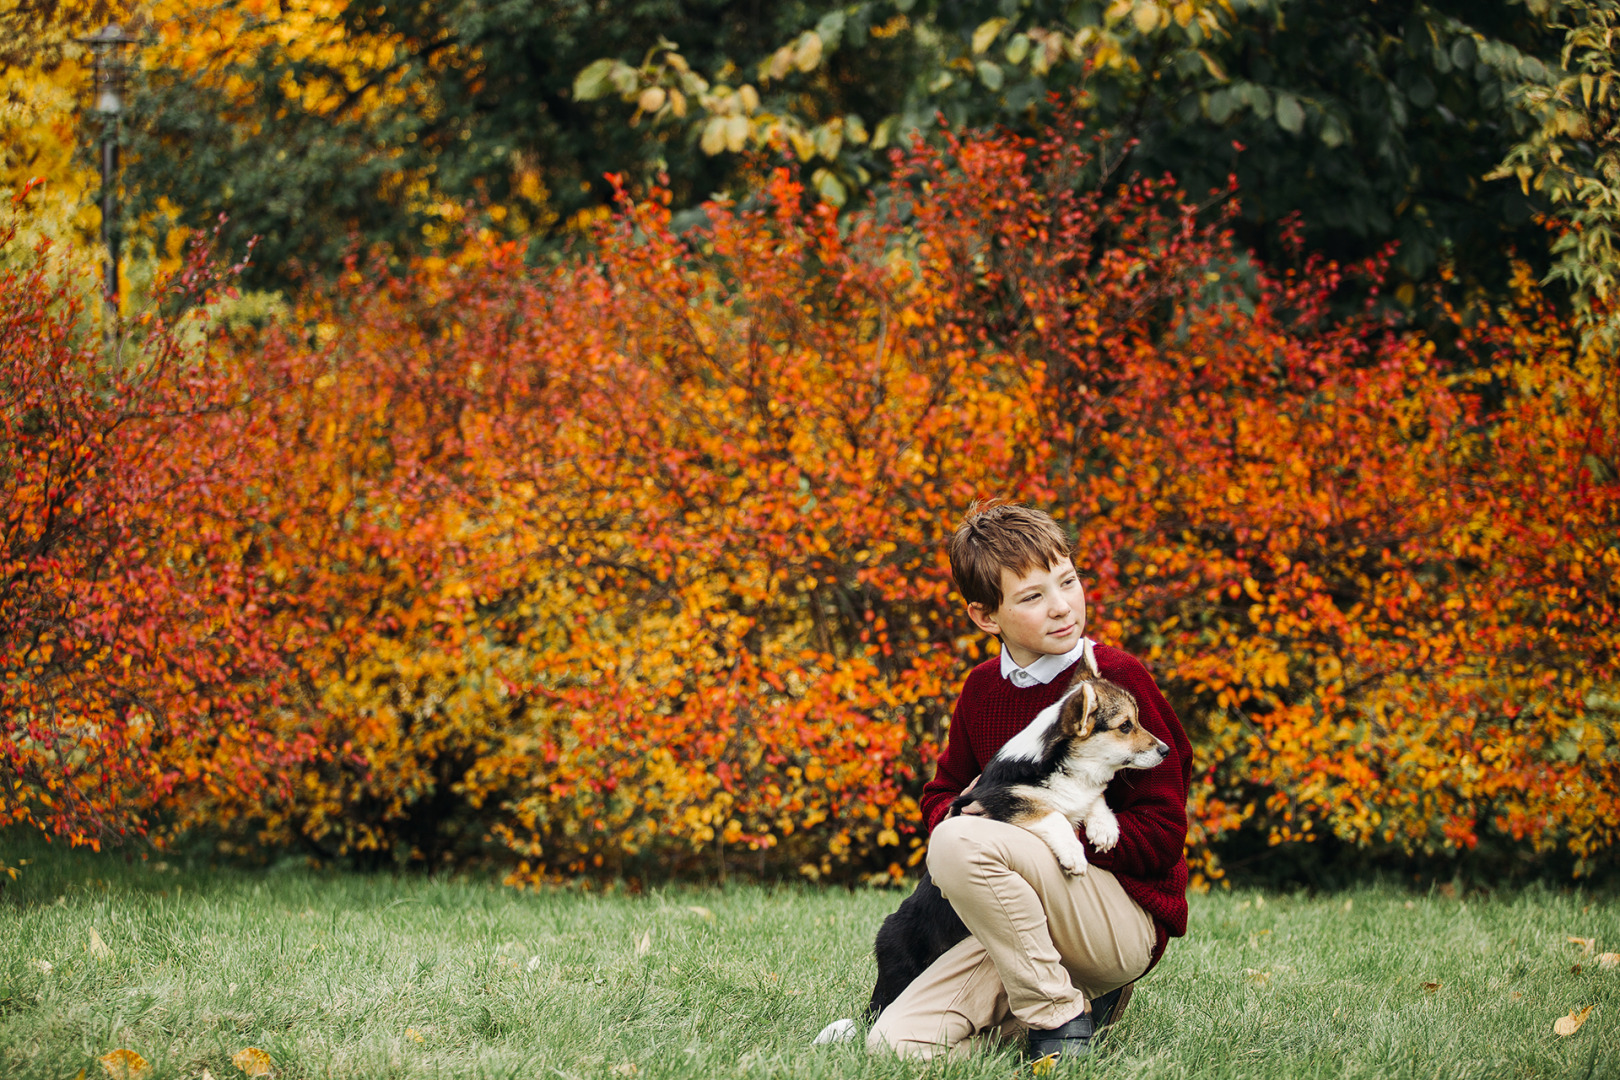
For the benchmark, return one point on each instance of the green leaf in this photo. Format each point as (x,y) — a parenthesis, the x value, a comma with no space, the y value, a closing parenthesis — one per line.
(830,187)
(831,29)
(1017,49)
(1290,116)
(990,75)
(594,81)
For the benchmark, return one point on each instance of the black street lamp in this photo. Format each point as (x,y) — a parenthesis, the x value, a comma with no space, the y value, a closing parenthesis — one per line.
(108,44)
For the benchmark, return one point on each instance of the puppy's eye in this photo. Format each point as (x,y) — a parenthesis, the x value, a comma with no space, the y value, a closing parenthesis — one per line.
(1126,728)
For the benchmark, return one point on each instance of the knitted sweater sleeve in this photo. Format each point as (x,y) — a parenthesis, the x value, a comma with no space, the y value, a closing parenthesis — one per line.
(1151,804)
(957,765)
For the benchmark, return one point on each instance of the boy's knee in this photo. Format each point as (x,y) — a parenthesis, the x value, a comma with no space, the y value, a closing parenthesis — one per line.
(956,846)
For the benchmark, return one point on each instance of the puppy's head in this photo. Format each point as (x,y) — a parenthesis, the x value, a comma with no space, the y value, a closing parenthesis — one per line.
(1103,716)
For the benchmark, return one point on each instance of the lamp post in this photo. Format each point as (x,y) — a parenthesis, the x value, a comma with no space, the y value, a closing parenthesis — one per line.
(107,44)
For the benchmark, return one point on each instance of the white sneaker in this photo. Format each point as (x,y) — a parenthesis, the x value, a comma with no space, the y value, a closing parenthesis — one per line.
(836,1032)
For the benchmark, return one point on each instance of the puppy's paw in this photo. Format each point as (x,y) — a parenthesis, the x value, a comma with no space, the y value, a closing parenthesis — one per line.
(1103,831)
(1071,858)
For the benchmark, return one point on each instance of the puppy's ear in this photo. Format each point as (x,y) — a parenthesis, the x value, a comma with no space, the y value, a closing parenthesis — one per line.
(1080,711)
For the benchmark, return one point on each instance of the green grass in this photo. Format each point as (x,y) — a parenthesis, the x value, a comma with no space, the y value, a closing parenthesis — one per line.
(331,974)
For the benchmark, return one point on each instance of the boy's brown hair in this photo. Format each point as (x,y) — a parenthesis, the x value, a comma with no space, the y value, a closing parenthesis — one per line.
(1002,537)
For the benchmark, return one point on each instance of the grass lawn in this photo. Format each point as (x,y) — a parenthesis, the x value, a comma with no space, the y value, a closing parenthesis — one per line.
(347,976)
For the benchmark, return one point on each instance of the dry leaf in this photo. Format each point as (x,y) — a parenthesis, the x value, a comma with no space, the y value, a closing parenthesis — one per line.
(1042,1066)
(44,967)
(1587,944)
(1348,904)
(253,1061)
(534,964)
(1432,987)
(644,946)
(124,1064)
(627,1068)
(1609,961)
(206,1075)
(698,909)
(1569,1025)
(1574,969)
(1256,976)
(97,947)
(414,1035)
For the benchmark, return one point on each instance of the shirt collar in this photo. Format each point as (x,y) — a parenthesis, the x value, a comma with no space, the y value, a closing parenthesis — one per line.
(1044,668)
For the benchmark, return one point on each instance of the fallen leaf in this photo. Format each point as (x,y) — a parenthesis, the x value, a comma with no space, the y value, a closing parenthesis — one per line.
(644,946)
(627,1068)
(1574,969)
(414,1035)
(44,967)
(1448,890)
(1256,976)
(1432,987)
(1348,904)
(534,964)
(698,909)
(1587,944)
(1609,961)
(1410,905)
(1569,1025)
(206,1075)
(97,947)
(1042,1066)
(253,1061)
(124,1064)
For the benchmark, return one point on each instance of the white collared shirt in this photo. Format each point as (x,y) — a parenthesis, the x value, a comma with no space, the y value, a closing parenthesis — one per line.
(1044,669)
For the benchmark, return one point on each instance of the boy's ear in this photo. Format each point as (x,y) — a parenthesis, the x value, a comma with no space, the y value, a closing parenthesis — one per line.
(984,619)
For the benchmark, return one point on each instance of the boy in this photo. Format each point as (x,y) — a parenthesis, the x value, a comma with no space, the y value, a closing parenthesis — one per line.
(1044,946)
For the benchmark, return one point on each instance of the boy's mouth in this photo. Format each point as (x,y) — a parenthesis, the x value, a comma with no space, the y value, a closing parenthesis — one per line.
(1064,632)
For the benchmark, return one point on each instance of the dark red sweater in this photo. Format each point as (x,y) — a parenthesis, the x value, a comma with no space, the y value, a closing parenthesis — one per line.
(1151,803)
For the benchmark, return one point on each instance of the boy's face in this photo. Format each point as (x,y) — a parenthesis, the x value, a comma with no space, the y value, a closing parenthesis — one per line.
(1042,613)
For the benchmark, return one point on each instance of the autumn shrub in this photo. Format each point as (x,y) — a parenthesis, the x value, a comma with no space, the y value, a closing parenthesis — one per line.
(632,565)
(130,658)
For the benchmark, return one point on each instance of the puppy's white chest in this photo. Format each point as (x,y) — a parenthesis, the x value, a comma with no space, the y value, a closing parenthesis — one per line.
(1073,796)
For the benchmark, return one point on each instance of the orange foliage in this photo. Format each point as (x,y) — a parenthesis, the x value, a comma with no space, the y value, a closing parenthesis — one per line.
(634,565)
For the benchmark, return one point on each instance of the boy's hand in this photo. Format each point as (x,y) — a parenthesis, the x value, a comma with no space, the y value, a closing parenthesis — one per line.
(971,809)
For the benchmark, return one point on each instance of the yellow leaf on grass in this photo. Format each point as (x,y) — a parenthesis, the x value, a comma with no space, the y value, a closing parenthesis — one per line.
(627,1068)
(1256,976)
(1609,961)
(1432,987)
(698,909)
(206,1075)
(1042,1066)
(124,1064)
(1587,944)
(253,1061)
(1569,1025)
(97,947)
(644,945)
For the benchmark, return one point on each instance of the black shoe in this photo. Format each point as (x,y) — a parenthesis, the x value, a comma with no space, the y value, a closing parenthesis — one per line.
(1075,1038)
(1067,1040)
(1107,1008)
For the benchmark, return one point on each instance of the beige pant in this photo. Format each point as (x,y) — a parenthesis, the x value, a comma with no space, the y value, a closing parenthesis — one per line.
(1043,943)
